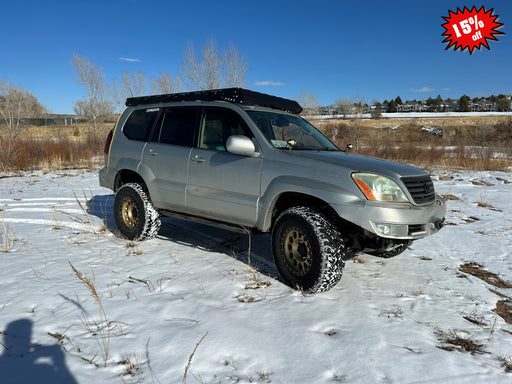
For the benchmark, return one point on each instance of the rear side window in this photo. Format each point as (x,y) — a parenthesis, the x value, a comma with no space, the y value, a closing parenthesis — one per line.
(139,123)
(178,127)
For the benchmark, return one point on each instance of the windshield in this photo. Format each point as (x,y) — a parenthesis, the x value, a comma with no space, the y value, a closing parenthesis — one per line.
(290,132)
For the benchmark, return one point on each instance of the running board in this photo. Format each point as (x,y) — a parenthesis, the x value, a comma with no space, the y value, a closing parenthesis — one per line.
(213,223)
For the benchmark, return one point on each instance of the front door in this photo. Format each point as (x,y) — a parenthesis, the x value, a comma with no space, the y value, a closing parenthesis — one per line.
(222,185)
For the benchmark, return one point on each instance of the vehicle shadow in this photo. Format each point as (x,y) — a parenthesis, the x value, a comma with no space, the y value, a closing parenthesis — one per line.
(25,362)
(252,249)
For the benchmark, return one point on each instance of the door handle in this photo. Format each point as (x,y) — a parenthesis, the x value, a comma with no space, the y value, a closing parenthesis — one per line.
(152,152)
(198,159)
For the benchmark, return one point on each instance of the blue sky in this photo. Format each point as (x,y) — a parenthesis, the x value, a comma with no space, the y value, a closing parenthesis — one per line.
(333,49)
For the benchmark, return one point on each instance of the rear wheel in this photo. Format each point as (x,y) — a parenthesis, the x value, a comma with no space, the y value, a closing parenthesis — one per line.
(308,250)
(135,216)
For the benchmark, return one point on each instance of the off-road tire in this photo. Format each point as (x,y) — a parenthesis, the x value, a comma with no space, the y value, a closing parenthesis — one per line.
(395,251)
(135,216)
(308,250)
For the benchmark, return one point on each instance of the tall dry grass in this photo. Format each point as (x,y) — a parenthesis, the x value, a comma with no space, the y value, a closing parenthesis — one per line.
(47,149)
(7,236)
(105,326)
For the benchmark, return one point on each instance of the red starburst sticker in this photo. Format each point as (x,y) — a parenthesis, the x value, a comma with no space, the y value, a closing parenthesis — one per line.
(470,29)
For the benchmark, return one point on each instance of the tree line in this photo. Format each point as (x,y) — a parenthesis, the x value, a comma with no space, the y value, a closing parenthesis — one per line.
(463,104)
(500,103)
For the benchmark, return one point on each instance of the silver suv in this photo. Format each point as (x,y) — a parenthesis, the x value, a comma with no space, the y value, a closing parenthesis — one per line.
(245,160)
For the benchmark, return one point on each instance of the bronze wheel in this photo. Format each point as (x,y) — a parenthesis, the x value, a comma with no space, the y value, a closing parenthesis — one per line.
(135,216)
(297,251)
(308,249)
(129,213)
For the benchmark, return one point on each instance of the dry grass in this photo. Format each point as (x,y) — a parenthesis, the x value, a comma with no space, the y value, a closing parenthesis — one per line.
(191,357)
(478,271)
(504,310)
(7,236)
(75,132)
(51,149)
(105,326)
(452,341)
(133,368)
(506,363)
(476,143)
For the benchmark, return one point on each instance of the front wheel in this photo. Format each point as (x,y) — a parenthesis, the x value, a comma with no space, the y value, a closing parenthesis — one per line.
(308,250)
(135,216)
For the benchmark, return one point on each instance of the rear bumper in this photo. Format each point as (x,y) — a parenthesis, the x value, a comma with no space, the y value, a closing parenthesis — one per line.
(103,178)
(396,220)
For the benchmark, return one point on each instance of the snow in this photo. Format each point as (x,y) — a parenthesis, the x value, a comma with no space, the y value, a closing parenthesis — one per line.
(195,298)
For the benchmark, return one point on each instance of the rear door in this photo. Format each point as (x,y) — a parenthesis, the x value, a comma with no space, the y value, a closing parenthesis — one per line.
(165,157)
(222,185)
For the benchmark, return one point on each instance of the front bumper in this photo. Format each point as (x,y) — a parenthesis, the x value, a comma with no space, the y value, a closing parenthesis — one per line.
(396,220)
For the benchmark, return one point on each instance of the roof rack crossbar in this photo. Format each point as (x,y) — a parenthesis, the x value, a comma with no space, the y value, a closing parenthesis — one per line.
(232,95)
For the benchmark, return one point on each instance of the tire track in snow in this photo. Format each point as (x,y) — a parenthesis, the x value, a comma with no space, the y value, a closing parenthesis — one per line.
(49,212)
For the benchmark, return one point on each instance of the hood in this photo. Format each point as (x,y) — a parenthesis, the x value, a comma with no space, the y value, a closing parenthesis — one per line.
(361,163)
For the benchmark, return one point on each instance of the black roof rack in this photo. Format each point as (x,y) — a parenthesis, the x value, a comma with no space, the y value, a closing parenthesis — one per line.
(232,95)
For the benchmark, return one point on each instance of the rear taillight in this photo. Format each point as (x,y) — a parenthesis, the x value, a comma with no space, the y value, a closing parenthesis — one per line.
(108,141)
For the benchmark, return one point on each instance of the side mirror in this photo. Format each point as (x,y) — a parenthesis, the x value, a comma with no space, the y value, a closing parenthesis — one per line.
(348,148)
(241,145)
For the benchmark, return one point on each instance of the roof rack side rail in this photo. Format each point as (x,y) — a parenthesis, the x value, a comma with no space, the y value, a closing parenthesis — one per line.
(232,95)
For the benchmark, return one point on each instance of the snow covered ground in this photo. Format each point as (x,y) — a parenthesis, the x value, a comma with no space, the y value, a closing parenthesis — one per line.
(190,306)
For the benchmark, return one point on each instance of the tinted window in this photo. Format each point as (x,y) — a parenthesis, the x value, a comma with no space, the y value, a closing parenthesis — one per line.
(178,126)
(139,123)
(218,125)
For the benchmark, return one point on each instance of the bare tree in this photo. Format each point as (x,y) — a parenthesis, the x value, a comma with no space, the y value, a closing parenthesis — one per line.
(101,111)
(16,104)
(202,74)
(165,83)
(213,70)
(235,68)
(308,102)
(358,103)
(344,106)
(134,83)
(95,105)
(118,94)
(211,65)
(191,69)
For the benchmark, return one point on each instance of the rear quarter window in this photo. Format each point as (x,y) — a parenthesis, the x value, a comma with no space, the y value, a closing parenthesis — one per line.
(139,124)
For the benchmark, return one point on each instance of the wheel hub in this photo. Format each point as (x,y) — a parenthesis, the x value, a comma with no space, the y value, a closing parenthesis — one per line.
(130,213)
(297,251)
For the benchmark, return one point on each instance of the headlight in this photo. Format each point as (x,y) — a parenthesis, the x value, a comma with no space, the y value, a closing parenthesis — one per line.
(380,188)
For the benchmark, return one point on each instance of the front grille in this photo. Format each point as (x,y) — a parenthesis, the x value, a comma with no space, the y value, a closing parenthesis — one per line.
(421,189)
